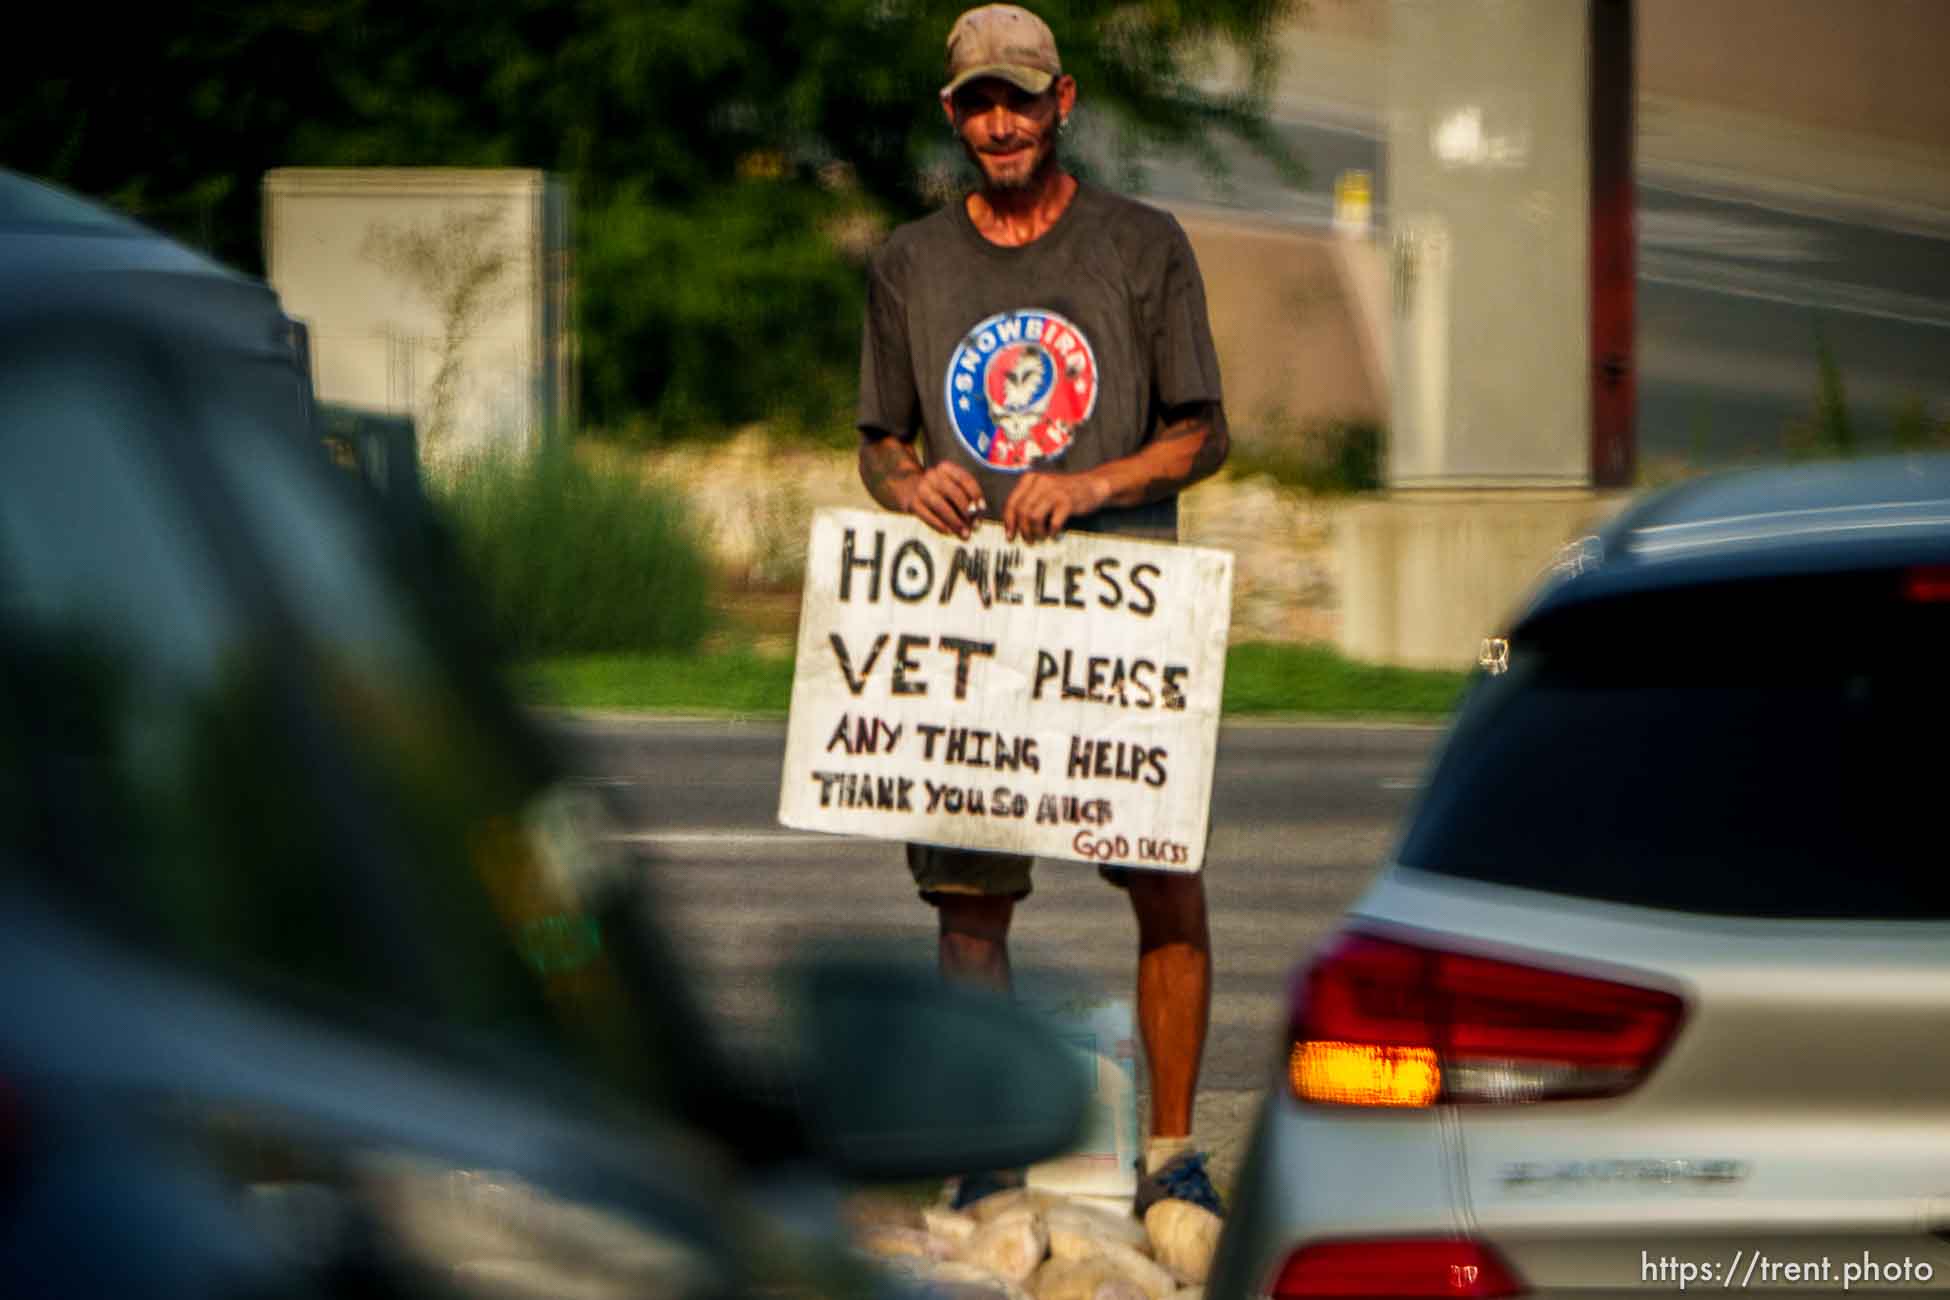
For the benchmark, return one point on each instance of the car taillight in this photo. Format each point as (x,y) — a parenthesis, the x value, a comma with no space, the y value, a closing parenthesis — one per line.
(1383,1022)
(1417,1267)
(1927,584)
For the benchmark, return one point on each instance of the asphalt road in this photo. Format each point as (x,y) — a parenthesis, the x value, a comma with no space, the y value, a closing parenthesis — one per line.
(1731,293)
(1302,817)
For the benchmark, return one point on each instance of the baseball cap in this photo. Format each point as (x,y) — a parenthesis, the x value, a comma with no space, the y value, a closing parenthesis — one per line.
(1005,41)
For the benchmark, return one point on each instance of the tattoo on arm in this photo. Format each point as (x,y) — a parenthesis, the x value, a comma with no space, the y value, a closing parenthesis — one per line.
(1212,452)
(885,462)
(1205,422)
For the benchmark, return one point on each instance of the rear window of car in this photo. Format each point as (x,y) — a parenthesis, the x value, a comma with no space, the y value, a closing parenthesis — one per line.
(1772,750)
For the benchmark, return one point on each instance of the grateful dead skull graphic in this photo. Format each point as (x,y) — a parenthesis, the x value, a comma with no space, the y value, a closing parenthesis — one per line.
(1019,385)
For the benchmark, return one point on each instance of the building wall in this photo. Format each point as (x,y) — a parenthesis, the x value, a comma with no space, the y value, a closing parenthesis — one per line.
(1869,66)
(1287,325)
(1873,67)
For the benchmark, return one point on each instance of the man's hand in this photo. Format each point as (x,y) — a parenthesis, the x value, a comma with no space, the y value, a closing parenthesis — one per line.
(944,497)
(1191,446)
(1043,503)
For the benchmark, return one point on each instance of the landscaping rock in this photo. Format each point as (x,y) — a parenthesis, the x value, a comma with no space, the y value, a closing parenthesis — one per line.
(1070,1241)
(1183,1237)
(952,1280)
(864,1210)
(893,1243)
(1010,1247)
(1075,1230)
(949,1225)
(1068,1279)
(958,1280)
(993,1207)
(1031,1244)
(1154,1281)
(1082,1279)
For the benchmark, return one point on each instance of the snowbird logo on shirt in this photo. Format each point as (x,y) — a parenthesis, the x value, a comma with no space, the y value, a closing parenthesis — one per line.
(1019,385)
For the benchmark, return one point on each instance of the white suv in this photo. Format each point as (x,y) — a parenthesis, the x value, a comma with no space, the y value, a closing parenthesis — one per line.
(1655,992)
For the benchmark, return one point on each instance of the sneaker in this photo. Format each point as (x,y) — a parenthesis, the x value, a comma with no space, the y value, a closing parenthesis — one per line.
(970,1188)
(1183,1178)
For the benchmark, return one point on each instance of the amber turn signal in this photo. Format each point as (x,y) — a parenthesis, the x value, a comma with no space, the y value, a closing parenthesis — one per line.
(1362,1074)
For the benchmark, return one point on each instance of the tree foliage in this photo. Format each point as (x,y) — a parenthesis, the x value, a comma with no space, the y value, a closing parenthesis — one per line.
(730,158)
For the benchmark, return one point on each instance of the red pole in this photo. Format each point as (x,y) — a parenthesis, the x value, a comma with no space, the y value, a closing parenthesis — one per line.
(1614,248)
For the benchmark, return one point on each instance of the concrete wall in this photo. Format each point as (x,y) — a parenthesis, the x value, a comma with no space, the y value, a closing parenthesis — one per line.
(756,500)
(1425,576)
(1463,558)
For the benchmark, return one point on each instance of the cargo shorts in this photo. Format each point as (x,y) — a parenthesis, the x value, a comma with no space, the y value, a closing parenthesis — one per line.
(939,870)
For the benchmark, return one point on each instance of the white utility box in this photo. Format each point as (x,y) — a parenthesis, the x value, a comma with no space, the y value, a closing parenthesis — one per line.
(439,293)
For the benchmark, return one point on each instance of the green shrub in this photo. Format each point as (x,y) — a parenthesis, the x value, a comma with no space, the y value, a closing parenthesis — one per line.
(1830,431)
(1327,458)
(578,560)
(1913,428)
(1267,677)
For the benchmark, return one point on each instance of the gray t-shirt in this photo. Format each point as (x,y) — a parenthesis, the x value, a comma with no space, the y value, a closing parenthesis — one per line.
(1060,354)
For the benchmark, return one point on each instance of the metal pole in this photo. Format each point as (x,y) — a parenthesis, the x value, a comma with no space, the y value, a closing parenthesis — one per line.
(1614,248)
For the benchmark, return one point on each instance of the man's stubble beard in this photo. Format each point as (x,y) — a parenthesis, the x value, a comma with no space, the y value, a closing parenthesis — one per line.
(1028,181)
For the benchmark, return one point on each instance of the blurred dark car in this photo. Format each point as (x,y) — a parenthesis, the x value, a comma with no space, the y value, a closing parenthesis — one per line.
(380,447)
(320,981)
(1655,992)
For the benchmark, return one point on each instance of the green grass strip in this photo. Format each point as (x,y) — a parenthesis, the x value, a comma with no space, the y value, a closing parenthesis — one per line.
(736,683)
(1260,679)
(1265,677)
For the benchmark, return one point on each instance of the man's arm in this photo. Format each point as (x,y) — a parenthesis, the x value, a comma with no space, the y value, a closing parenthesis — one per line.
(944,496)
(888,467)
(1191,446)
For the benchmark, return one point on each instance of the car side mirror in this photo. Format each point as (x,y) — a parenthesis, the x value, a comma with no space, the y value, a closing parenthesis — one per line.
(904,1076)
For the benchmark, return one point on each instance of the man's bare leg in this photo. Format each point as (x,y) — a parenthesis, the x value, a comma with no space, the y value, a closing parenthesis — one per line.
(975,939)
(1174,991)
(975,953)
